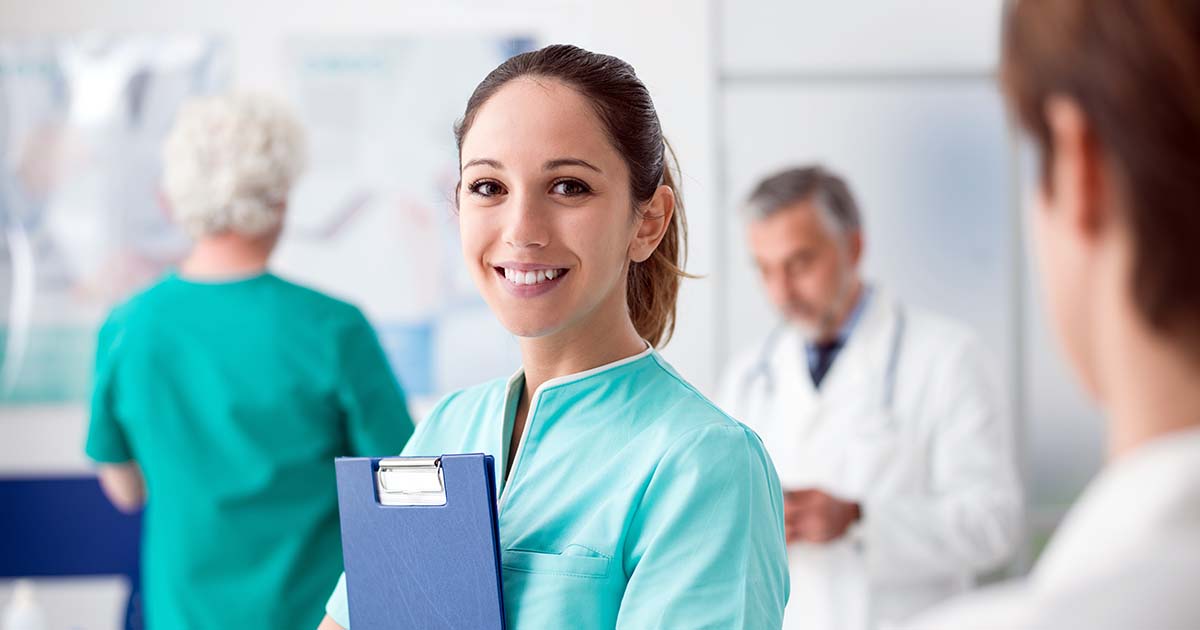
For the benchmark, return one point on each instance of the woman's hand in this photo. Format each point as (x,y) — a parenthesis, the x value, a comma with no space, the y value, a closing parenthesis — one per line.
(329,624)
(123,485)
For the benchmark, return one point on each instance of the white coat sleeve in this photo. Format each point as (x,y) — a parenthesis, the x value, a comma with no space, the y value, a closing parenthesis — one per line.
(967,518)
(731,391)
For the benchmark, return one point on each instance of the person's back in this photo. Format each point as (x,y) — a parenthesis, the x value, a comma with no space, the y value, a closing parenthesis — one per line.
(1110,93)
(234,398)
(223,393)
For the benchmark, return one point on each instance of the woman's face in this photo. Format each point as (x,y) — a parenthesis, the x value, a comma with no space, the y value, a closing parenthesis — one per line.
(545,210)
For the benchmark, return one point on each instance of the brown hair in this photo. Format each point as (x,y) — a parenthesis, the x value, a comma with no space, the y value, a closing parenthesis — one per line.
(627,113)
(1133,67)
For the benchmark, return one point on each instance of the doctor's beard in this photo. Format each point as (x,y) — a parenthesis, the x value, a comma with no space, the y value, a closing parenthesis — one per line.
(820,324)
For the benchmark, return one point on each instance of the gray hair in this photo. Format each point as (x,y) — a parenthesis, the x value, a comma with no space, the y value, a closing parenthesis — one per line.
(229,163)
(826,189)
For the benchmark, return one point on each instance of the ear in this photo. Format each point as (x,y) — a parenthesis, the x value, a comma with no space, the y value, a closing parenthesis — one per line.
(855,240)
(1076,175)
(653,224)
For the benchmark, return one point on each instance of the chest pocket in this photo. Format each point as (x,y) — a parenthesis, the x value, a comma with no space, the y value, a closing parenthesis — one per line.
(575,561)
(573,589)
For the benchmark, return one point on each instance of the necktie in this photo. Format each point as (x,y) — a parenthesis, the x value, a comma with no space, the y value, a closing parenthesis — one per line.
(825,355)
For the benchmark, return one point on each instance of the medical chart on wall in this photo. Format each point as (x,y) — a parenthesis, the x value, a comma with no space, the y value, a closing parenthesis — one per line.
(82,121)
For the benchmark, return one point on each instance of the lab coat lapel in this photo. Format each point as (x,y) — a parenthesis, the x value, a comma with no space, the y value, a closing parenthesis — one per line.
(852,379)
(794,409)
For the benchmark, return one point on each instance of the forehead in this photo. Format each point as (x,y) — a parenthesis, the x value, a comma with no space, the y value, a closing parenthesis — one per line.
(531,120)
(801,224)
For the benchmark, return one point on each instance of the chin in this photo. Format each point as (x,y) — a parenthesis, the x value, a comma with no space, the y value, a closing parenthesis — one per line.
(530,327)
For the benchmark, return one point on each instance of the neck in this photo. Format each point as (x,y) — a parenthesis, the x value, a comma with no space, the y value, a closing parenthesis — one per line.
(1148,384)
(607,336)
(227,255)
(842,315)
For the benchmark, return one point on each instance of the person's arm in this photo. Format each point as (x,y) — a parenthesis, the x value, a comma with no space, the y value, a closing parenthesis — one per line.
(123,485)
(329,624)
(705,545)
(376,414)
(969,520)
(119,476)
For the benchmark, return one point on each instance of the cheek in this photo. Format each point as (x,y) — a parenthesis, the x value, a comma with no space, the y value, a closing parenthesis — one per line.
(1064,290)
(474,237)
(601,242)
(825,279)
(1050,255)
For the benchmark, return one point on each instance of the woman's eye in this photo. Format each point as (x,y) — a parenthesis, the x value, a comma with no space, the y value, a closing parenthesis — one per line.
(570,188)
(486,188)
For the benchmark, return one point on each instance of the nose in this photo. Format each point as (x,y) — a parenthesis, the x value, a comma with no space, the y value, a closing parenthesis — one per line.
(527,225)
(779,289)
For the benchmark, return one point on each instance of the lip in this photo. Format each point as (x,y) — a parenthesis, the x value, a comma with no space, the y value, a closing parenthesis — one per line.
(527,266)
(527,290)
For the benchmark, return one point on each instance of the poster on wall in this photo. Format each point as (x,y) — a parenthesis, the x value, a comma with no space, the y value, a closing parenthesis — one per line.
(82,227)
(372,221)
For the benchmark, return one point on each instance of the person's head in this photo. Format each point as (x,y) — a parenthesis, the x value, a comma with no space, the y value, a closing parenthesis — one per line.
(229,163)
(805,233)
(567,207)
(1110,93)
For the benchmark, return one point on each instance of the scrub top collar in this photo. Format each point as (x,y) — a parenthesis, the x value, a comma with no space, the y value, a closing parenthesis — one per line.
(513,389)
(517,381)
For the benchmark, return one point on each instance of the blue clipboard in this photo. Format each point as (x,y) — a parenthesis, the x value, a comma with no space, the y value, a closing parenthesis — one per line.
(420,542)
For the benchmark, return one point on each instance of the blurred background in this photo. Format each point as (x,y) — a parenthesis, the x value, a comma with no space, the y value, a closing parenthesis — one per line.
(897,95)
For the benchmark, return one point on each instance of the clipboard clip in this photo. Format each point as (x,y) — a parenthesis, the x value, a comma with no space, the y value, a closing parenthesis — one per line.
(410,481)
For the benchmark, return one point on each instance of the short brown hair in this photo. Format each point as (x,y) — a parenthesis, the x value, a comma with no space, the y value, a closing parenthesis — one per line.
(1133,67)
(625,109)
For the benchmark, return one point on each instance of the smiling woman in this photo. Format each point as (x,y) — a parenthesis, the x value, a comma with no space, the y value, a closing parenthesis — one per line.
(627,500)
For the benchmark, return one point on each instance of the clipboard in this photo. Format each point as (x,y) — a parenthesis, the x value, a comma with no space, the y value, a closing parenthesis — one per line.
(420,542)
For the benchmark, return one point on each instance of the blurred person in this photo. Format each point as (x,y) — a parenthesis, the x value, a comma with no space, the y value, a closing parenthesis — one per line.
(223,392)
(1110,93)
(626,499)
(885,422)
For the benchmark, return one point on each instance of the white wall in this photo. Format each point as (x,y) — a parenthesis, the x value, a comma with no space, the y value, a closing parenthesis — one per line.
(741,86)
(655,37)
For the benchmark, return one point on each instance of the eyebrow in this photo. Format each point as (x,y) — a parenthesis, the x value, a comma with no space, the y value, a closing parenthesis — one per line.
(482,162)
(548,166)
(553,164)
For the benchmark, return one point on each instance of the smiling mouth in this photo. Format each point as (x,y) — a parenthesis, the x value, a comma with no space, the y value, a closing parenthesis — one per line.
(517,277)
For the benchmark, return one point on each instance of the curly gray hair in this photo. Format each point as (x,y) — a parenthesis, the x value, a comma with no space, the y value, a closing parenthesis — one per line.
(229,163)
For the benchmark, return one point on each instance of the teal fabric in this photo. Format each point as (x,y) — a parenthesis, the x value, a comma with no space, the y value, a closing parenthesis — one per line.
(633,503)
(234,398)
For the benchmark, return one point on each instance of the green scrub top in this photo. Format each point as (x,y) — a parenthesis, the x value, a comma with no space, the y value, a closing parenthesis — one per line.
(234,398)
(633,502)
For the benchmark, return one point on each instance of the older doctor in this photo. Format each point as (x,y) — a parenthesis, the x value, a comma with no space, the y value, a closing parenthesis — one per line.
(884,421)
(1110,94)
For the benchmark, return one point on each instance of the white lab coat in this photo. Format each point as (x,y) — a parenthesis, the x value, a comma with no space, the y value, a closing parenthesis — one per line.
(933,470)
(1126,557)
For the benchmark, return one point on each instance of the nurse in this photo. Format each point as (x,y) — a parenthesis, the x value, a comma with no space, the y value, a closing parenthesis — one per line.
(223,392)
(1110,93)
(627,500)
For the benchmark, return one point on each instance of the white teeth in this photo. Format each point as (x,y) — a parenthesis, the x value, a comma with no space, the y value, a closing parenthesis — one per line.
(521,278)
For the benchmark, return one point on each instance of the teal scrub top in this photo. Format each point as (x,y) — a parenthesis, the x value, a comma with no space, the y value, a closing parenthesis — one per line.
(234,398)
(633,502)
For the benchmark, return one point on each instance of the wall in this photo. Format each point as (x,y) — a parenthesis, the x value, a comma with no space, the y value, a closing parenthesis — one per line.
(897,94)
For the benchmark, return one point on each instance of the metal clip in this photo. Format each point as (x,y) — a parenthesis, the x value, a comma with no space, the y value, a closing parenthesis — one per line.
(411,481)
